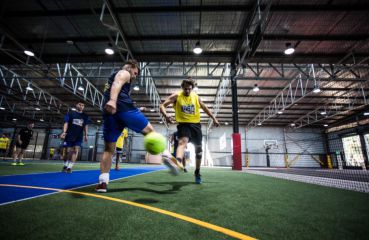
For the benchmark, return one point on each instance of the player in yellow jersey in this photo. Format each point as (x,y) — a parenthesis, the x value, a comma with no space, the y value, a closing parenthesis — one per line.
(4,144)
(187,106)
(119,147)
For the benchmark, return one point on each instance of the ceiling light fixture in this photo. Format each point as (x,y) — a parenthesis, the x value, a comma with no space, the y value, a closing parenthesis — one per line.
(292,124)
(37,109)
(366,113)
(29,87)
(99,121)
(41,119)
(259,124)
(325,125)
(14,119)
(323,112)
(73,109)
(289,49)
(109,50)
(256,88)
(136,87)
(197,49)
(29,53)
(280,112)
(81,88)
(152,110)
(316,89)
(2,108)
(226,123)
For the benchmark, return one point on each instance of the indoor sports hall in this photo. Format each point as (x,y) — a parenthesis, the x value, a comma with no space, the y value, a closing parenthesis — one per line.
(263,103)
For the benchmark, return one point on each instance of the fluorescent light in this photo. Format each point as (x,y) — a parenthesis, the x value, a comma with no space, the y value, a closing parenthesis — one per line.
(81,88)
(41,120)
(136,88)
(325,125)
(37,109)
(280,112)
(256,88)
(323,112)
(99,121)
(152,110)
(292,124)
(29,53)
(73,109)
(109,51)
(197,49)
(29,88)
(161,122)
(366,113)
(14,119)
(91,146)
(2,108)
(259,124)
(226,123)
(289,49)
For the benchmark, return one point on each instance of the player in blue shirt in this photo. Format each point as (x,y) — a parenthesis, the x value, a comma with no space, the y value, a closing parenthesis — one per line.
(74,130)
(120,112)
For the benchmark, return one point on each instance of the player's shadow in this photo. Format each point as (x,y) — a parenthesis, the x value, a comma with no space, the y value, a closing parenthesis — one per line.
(146,200)
(175,187)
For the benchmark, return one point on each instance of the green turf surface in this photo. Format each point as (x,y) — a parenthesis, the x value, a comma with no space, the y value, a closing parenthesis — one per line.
(258,206)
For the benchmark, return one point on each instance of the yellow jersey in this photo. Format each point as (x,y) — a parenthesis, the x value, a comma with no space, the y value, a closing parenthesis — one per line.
(4,142)
(120,141)
(187,108)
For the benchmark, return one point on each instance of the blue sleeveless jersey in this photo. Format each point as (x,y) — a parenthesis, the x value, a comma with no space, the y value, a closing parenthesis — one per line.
(124,101)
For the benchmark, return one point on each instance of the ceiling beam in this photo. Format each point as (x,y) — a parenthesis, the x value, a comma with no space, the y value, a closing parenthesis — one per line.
(358,7)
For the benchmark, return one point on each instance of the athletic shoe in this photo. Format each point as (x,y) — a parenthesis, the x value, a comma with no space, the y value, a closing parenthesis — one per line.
(169,163)
(14,164)
(64,169)
(69,170)
(21,164)
(116,168)
(101,187)
(198,179)
(184,170)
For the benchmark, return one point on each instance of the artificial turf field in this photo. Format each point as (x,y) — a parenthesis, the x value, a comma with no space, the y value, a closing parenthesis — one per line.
(252,205)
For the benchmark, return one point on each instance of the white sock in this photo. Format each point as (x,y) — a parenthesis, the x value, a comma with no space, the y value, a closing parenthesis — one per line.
(70,165)
(104,177)
(66,163)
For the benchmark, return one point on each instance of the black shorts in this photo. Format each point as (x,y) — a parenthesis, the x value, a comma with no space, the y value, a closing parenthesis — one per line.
(24,145)
(119,150)
(2,151)
(192,131)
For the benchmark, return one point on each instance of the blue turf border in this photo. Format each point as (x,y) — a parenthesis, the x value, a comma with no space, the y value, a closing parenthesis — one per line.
(58,180)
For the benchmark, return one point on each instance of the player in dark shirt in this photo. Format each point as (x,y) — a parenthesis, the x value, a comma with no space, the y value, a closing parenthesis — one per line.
(74,132)
(21,143)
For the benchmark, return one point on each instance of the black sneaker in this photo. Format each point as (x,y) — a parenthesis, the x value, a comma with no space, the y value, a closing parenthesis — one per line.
(69,170)
(184,170)
(64,169)
(198,179)
(101,187)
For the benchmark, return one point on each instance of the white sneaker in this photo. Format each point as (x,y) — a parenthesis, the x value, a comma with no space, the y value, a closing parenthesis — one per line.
(168,162)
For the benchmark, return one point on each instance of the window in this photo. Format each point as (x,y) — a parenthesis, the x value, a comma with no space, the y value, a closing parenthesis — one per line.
(353,152)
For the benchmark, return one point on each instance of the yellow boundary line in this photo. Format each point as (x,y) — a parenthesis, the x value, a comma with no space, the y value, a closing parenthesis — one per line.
(210,226)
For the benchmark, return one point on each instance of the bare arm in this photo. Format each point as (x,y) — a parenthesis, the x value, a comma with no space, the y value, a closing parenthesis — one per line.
(65,129)
(120,79)
(19,139)
(208,112)
(170,100)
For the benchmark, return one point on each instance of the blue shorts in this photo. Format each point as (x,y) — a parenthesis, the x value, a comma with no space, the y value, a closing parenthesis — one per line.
(72,143)
(114,124)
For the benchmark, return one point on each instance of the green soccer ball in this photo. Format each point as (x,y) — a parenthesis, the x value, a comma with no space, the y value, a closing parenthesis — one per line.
(155,143)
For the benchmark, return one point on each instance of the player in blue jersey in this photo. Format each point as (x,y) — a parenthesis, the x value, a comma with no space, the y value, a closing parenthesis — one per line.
(120,112)
(74,132)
